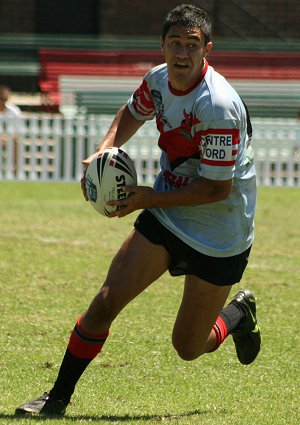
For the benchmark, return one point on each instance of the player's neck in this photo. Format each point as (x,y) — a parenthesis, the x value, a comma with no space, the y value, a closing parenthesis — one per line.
(181,92)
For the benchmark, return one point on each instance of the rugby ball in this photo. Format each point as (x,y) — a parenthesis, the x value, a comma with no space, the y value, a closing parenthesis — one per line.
(105,177)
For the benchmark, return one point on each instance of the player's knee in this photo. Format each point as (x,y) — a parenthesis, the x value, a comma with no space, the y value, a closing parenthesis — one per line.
(187,353)
(187,348)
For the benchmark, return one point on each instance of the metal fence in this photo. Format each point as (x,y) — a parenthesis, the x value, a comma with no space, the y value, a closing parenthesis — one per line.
(51,147)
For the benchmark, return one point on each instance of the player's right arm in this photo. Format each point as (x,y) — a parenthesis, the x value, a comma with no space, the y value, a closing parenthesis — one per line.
(125,123)
(123,127)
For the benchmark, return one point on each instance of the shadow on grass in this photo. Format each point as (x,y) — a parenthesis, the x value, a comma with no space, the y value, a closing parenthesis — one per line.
(109,418)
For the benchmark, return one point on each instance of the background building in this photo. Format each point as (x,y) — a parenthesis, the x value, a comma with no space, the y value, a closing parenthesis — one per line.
(232,18)
(39,40)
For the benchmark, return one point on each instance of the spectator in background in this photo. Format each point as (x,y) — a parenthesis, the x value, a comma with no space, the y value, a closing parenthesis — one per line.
(7,108)
(10,114)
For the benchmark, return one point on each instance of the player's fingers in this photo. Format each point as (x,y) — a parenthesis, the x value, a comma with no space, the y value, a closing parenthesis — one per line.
(121,212)
(117,203)
(129,189)
(87,160)
(83,187)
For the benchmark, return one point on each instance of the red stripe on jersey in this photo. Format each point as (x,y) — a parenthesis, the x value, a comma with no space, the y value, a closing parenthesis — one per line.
(234,132)
(142,100)
(218,163)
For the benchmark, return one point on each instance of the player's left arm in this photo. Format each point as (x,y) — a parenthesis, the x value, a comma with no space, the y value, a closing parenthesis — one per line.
(218,150)
(199,192)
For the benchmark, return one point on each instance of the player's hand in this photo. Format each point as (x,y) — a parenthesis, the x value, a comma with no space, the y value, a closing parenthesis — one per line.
(85,163)
(138,197)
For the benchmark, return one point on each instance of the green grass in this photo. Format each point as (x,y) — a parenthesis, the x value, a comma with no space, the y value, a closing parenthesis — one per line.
(54,253)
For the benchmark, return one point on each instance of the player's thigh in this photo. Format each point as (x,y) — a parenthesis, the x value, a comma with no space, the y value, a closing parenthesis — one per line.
(136,265)
(200,306)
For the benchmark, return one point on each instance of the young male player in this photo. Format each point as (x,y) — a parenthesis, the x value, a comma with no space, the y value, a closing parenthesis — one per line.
(197,220)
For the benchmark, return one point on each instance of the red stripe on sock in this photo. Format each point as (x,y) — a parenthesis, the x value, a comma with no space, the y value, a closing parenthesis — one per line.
(86,345)
(221,332)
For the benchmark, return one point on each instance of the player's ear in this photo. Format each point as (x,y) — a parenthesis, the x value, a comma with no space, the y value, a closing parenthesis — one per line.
(208,48)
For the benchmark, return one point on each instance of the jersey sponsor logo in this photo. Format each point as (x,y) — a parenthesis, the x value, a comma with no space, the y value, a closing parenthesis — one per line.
(219,146)
(175,181)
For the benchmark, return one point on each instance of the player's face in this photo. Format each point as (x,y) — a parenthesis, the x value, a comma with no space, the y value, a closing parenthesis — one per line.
(4,95)
(184,50)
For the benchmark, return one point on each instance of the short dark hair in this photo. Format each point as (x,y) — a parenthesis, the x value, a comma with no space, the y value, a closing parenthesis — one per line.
(189,16)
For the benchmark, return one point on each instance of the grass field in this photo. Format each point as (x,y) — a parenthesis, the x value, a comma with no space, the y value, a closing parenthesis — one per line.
(54,253)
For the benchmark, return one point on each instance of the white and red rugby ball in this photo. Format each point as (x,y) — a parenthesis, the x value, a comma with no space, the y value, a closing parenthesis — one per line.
(105,177)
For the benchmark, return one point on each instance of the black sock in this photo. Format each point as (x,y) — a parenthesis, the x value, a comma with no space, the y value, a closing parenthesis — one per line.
(83,347)
(234,317)
(69,373)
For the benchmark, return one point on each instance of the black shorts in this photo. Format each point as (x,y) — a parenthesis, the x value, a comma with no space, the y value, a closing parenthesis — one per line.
(185,260)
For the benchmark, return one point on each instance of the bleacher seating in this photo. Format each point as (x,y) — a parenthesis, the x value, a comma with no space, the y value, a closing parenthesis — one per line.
(104,95)
(256,65)
(100,57)
(44,59)
(19,53)
(92,94)
(57,62)
(100,102)
(49,79)
(270,98)
(233,65)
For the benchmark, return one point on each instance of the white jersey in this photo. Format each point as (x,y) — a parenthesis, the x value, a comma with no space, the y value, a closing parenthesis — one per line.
(11,111)
(11,115)
(203,133)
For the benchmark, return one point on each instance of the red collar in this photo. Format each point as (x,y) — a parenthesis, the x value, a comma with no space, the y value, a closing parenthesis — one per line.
(184,92)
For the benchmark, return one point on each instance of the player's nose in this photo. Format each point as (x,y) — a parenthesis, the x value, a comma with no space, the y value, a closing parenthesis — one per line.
(181,52)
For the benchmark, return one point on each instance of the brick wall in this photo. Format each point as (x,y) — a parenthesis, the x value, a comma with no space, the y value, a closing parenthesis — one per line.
(249,18)
(134,17)
(17,16)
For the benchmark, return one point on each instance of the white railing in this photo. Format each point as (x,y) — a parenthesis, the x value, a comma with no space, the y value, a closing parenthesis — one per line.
(276,145)
(51,147)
